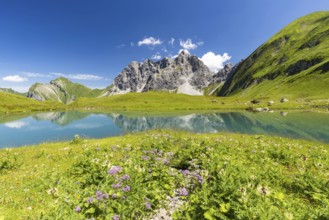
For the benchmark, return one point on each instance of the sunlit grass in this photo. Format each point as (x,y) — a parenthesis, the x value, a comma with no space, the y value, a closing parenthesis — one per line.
(225,176)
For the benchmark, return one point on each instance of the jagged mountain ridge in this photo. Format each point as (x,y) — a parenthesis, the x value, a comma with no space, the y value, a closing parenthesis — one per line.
(185,74)
(295,61)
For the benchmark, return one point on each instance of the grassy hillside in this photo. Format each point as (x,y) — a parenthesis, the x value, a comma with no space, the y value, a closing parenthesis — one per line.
(164,101)
(62,90)
(293,63)
(17,103)
(8,90)
(208,176)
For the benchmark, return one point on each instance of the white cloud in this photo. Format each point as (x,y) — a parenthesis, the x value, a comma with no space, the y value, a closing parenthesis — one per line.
(189,45)
(214,62)
(16,124)
(150,41)
(156,56)
(171,42)
(79,76)
(121,46)
(14,78)
(132,44)
(200,43)
(34,75)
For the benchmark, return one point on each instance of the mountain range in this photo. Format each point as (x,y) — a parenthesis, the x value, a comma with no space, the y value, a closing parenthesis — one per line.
(294,62)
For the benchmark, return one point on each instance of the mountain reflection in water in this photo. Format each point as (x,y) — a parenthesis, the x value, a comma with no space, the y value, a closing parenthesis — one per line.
(54,126)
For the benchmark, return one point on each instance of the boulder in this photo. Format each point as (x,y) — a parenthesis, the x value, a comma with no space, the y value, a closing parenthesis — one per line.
(284,100)
(258,110)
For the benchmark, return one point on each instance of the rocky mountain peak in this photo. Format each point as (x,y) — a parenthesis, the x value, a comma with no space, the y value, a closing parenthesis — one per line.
(182,57)
(185,74)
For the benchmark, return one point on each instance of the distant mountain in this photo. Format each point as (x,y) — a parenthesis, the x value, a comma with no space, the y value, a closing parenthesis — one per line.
(61,90)
(11,91)
(185,74)
(293,62)
(61,118)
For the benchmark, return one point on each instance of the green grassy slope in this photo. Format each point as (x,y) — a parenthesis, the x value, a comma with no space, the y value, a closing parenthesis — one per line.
(226,177)
(293,63)
(17,103)
(159,101)
(164,101)
(63,90)
(8,90)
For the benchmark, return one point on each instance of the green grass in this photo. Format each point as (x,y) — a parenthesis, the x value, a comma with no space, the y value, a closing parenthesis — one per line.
(10,103)
(268,70)
(230,177)
(164,102)
(156,102)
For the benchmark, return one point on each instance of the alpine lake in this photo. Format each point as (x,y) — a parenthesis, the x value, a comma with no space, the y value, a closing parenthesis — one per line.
(34,128)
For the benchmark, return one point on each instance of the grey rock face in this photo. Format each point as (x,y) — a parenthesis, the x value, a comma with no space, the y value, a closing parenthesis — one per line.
(222,74)
(185,74)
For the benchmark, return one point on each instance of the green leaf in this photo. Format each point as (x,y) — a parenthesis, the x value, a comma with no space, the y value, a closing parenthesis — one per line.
(224,207)
(91,211)
(209,214)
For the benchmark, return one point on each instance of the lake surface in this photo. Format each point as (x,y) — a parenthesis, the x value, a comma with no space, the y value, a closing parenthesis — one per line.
(26,129)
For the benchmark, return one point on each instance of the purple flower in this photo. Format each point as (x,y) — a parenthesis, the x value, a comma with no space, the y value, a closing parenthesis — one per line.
(101,196)
(125,177)
(148,205)
(183,192)
(185,172)
(114,196)
(123,197)
(90,200)
(199,178)
(117,185)
(116,217)
(126,189)
(114,170)
(165,161)
(145,158)
(77,209)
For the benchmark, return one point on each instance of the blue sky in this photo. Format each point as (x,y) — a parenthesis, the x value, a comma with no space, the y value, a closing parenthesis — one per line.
(91,41)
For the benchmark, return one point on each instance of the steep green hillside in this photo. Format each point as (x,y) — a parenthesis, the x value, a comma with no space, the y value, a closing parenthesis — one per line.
(17,103)
(293,63)
(61,90)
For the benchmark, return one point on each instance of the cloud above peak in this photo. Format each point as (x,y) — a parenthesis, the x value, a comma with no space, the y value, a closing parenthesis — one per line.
(79,76)
(150,41)
(156,56)
(214,62)
(172,41)
(189,45)
(14,78)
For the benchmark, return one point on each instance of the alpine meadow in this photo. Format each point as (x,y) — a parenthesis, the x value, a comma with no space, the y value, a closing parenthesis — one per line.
(172,110)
